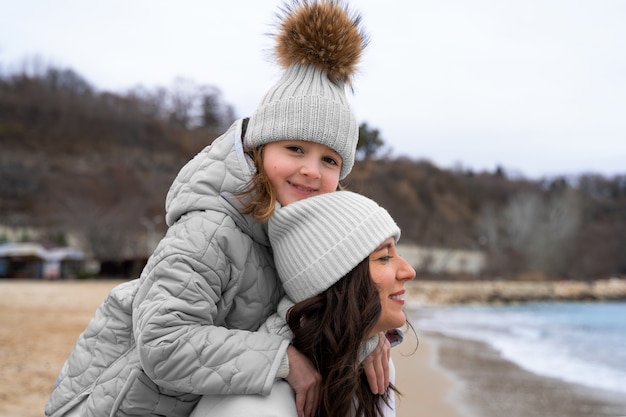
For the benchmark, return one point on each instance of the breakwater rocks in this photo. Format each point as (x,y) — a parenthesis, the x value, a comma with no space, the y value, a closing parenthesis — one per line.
(489,292)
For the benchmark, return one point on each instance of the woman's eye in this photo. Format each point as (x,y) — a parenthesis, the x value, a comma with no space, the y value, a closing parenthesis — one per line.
(383,256)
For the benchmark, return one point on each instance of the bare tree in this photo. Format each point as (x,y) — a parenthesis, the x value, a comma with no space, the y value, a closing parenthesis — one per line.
(542,230)
(153,103)
(183,103)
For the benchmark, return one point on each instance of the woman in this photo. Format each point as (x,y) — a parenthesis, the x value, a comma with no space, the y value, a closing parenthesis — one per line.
(337,260)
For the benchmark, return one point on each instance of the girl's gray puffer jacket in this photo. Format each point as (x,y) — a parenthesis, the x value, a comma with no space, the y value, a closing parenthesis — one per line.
(186,327)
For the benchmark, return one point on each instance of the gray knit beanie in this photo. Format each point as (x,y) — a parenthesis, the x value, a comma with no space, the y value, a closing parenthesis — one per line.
(319,44)
(318,240)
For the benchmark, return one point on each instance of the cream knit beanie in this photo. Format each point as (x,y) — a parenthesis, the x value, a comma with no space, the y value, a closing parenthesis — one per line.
(319,44)
(318,240)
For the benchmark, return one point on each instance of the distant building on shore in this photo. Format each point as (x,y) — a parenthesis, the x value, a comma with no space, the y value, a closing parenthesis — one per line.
(33,260)
(443,260)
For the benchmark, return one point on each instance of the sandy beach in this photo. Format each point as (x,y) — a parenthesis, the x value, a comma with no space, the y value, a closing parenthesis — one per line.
(426,388)
(40,321)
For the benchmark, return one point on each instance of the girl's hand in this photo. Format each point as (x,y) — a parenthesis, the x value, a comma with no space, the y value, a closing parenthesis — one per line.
(305,381)
(376,366)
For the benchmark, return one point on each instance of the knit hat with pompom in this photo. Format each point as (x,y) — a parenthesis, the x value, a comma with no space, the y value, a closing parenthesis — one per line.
(319,43)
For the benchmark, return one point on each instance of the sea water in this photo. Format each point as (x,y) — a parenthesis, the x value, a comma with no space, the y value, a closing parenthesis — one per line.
(583,343)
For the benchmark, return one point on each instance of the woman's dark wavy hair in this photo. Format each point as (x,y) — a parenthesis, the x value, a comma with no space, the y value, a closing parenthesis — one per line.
(330,329)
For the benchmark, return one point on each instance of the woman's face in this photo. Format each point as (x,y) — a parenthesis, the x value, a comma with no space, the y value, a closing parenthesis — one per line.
(390,272)
(299,169)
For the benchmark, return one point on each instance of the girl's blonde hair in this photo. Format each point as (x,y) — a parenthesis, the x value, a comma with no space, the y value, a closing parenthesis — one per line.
(259,192)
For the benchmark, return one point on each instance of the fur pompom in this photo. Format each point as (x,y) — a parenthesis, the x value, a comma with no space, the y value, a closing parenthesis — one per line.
(321,33)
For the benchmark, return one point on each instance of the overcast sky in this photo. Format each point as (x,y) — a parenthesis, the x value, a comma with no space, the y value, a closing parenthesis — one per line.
(535,86)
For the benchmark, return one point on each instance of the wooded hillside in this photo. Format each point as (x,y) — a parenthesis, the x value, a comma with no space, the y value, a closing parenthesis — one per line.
(74,159)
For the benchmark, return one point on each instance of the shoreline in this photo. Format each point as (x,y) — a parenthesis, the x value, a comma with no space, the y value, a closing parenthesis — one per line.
(481,383)
(428,292)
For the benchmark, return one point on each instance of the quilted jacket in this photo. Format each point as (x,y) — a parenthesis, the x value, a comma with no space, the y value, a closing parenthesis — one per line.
(186,327)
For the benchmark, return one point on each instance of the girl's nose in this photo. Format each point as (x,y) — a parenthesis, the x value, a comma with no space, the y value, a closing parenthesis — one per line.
(310,169)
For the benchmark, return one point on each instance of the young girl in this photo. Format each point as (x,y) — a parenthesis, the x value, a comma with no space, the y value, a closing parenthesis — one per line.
(188,326)
(336,257)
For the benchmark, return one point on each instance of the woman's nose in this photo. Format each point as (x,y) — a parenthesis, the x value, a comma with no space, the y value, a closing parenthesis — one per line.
(406,271)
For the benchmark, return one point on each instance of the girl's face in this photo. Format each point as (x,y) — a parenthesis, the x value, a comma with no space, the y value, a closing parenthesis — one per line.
(299,169)
(390,272)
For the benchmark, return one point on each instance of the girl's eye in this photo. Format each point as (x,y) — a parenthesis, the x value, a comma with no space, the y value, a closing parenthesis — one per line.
(385,258)
(294,148)
(330,160)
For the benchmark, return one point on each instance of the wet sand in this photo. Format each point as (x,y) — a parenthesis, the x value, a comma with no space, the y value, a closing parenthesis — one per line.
(489,386)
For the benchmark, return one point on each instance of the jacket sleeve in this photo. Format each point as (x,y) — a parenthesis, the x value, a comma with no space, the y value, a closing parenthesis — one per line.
(277,322)
(179,315)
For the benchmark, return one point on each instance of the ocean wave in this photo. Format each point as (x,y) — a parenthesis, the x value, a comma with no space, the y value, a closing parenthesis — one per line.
(582,343)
